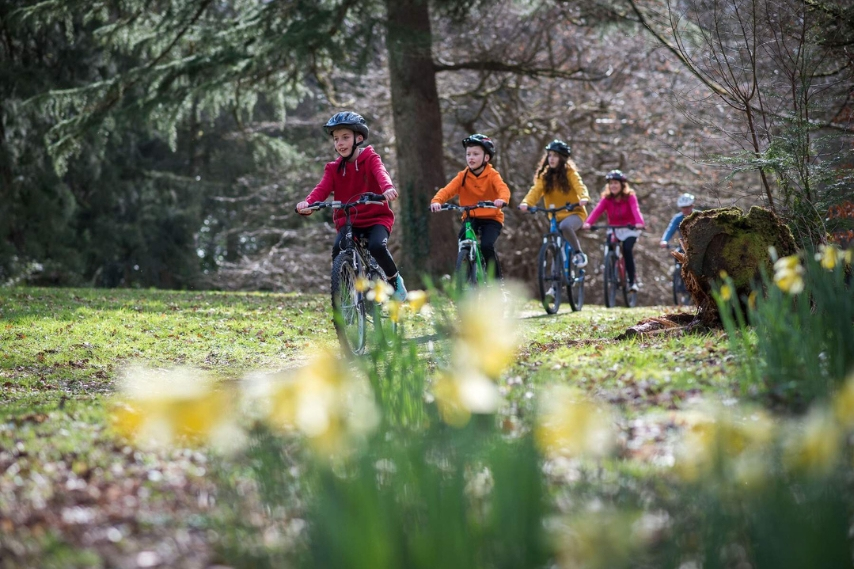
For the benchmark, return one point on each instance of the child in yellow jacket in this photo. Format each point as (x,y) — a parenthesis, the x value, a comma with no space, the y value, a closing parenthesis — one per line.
(558,183)
(479,182)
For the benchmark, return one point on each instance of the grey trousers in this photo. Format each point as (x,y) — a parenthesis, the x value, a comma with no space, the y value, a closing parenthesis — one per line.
(568,227)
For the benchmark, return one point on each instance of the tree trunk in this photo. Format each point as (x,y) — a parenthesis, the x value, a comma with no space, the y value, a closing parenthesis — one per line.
(429,241)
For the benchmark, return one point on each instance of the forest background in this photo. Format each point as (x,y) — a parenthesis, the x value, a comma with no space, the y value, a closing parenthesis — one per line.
(154,143)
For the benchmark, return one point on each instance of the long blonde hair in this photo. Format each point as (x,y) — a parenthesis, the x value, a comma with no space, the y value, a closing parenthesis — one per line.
(625,192)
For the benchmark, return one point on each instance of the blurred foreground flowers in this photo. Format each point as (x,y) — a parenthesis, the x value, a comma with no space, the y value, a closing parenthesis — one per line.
(171,407)
(570,424)
(484,346)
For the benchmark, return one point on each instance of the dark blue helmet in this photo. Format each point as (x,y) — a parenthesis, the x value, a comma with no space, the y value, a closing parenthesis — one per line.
(480,140)
(347,119)
(616,175)
(560,147)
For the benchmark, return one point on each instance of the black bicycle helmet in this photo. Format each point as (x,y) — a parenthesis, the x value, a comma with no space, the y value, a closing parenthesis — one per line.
(480,140)
(347,119)
(560,147)
(616,175)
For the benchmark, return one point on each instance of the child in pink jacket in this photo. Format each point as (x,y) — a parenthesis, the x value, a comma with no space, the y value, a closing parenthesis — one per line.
(621,204)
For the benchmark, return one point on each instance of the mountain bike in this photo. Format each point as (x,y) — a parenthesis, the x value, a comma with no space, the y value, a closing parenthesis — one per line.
(471,267)
(556,265)
(354,265)
(615,277)
(681,296)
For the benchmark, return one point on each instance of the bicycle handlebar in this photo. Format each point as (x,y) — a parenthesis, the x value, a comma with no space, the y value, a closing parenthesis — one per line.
(639,228)
(455,207)
(366,198)
(567,207)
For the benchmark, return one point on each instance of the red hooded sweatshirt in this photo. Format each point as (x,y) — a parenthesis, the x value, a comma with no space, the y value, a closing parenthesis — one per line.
(366,174)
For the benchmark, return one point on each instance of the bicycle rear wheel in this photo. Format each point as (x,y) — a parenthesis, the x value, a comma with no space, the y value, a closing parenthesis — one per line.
(575,287)
(348,305)
(549,271)
(610,279)
(681,296)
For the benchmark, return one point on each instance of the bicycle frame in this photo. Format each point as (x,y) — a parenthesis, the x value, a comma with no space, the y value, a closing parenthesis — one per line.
(468,245)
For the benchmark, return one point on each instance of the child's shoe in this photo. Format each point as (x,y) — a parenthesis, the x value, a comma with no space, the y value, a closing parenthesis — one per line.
(634,287)
(580,260)
(399,289)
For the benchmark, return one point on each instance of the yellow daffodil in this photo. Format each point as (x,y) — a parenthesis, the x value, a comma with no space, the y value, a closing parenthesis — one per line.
(596,539)
(814,448)
(417,299)
(488,337)
(843,404)
(726,292)
(171,407)
(461,393)
(829,256)
(320,401)
(395,310)
(362,284)
(569,424)
(380,291)
(788,274)
(717,436)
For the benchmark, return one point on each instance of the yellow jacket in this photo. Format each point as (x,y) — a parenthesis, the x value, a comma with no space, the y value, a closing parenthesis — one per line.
(472,189)
(555,197)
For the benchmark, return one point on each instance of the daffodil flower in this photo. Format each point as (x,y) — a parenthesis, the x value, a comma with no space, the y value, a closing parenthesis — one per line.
(162,408)
(417,299)
(815,447)
(569,424)
(788,274)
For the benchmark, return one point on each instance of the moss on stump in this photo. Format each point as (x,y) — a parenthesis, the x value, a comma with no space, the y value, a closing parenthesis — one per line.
(726,239)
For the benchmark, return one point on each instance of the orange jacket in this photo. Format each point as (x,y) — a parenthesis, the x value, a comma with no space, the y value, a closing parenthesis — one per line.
(472,189)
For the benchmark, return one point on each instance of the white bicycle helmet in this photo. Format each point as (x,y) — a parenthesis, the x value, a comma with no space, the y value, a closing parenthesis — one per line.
(685,200)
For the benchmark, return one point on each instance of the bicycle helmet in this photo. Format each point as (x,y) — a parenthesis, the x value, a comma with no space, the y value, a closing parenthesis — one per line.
(616,175)
(685,200)
(347,119)
(480,140)
(560,147)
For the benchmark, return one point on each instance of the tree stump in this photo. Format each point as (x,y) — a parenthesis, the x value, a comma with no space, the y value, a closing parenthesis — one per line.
(726,239)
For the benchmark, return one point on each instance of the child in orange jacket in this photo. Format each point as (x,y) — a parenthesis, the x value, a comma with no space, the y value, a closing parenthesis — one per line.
(479,182)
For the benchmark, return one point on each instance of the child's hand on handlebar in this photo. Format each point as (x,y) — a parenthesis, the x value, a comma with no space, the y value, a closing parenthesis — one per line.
(499,203)
(663,244)
(585,225)
(523,206)
(390,194)
(435,206)
(301,208)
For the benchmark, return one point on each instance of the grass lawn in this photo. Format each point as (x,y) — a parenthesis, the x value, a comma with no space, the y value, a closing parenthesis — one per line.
(73,494)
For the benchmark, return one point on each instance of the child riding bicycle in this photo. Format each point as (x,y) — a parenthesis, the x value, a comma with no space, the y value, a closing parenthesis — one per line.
(685,203)
(479,182)
(621,204)
(557,182)
(358,171)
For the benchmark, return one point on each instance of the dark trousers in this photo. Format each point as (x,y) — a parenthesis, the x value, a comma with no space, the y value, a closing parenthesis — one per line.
(489,230)
(377,244)
(628,245)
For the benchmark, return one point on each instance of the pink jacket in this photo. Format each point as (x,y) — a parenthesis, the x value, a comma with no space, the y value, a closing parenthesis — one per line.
(366,174)
(620,212)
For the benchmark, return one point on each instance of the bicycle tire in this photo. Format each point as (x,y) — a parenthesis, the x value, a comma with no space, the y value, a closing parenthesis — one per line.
(465,272)
(677,281)
(348,305)
(610,279)
(549,271)
(575,288)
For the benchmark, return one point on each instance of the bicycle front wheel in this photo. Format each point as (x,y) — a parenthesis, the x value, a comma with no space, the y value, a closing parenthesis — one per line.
(610,279)
(630,297)
(348,305)
(575,287)
(549,270)
(466,270)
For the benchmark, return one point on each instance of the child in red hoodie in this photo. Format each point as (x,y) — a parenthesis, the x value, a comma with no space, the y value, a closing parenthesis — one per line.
(357,171)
